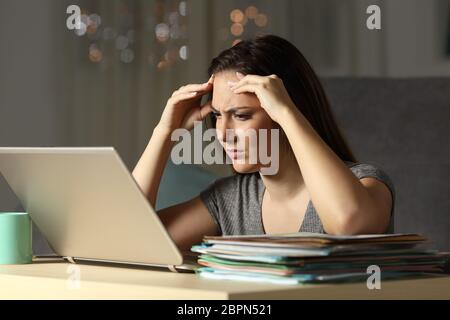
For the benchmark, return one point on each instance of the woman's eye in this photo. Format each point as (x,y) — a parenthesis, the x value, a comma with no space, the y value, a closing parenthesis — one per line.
(242,116)
(215,114)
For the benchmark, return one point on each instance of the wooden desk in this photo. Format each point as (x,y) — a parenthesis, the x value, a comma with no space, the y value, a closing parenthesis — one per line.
(52,280)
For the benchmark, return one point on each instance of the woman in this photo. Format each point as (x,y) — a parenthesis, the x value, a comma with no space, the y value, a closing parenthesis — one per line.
(266,83)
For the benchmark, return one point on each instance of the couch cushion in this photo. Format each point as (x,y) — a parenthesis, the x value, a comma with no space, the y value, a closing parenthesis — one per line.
(402,125)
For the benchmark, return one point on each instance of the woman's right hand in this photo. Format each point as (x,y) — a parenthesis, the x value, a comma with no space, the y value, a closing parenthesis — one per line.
(183,107)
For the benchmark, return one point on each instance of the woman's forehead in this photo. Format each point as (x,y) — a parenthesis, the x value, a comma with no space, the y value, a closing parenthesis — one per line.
(224,98)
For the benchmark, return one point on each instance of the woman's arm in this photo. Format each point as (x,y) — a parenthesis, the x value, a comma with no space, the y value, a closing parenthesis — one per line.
(182,110)
(150,167)
(186,222)
(345,204)
(189,221)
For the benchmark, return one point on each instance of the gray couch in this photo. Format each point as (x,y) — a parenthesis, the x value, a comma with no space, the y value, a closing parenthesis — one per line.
(402,125)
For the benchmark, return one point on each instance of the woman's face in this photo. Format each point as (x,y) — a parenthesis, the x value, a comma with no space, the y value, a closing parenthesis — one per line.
(242,116)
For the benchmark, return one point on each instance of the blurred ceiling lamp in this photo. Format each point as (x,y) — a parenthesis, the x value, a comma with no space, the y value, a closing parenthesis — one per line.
(251,12)
(239,19)
(261,20)
(237,29)
(236,16)
(168,23)
(95,55)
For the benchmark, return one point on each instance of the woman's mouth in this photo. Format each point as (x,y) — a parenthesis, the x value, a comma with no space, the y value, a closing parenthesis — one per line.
(234,153)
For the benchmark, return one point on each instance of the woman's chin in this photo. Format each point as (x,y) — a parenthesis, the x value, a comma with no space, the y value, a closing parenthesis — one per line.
(245,168)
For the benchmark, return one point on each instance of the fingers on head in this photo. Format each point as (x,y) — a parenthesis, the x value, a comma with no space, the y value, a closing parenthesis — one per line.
(193,87)
(182,96)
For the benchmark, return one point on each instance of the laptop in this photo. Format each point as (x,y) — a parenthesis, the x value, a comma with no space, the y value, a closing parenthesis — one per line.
(89,208)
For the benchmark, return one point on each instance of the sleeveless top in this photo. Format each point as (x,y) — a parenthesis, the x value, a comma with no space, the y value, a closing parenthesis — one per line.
(234,202)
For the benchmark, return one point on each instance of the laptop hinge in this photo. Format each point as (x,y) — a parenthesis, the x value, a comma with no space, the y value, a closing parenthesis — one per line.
(172,268)
(70,259)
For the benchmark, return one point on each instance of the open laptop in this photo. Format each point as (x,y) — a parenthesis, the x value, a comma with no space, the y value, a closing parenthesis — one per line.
(89,208)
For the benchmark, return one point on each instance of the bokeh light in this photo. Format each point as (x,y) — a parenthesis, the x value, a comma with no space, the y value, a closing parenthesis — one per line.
(251,12)
(240,22)
(237,29)
(182,8)
(82,30)
(236,16)
(261,20)
(95,19)
(95,54)
(166,22)
(121,42)
(127,56)
(162,32)
(162,65)
(183,52)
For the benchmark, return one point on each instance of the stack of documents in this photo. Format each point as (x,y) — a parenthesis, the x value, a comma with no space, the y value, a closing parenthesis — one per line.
(311,257)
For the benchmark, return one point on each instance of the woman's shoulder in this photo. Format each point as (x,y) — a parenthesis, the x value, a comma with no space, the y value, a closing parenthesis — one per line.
(365,168)
(370,170)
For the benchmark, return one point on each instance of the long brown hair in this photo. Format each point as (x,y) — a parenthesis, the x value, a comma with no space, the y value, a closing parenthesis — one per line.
(270,54)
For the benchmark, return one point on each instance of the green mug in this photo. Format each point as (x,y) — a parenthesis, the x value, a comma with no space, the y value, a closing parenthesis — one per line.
(15,238)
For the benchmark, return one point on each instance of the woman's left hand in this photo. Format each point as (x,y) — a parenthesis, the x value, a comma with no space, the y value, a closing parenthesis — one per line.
(270,91)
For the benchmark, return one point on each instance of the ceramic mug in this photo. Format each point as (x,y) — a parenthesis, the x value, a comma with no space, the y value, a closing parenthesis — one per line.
(15,238)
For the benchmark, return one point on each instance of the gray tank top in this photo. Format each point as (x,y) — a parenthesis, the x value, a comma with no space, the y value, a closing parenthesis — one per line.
(234,202)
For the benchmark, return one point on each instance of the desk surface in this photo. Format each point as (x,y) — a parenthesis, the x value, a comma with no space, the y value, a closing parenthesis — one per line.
(55,280)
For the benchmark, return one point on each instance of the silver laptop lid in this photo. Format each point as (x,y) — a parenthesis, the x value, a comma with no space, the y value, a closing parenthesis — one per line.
(87,205)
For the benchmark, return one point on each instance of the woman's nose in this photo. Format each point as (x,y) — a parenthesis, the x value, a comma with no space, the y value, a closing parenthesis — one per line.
(225,131)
